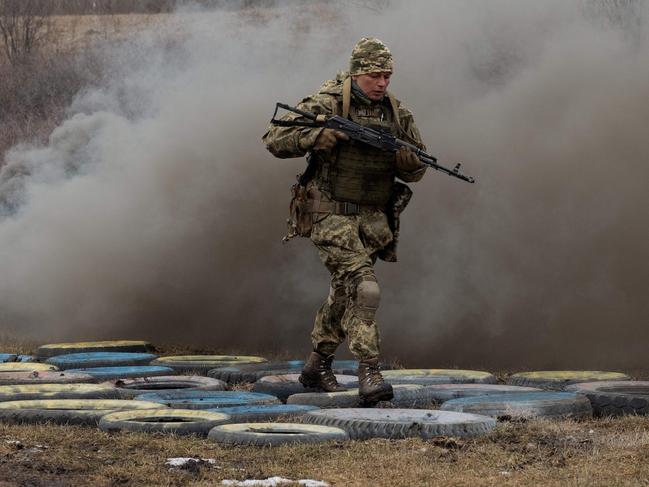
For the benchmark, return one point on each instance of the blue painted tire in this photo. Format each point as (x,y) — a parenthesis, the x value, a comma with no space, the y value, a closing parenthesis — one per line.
(108,373)
(25,358)
(524,405)
(7,357)
(254,372)
(100,359)
(263,413)
(207,399)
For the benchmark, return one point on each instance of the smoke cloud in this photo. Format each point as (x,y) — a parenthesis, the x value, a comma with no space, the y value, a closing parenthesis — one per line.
(155,212)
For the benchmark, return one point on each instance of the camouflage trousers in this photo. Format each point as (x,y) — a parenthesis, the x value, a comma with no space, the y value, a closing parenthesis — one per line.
(347,245)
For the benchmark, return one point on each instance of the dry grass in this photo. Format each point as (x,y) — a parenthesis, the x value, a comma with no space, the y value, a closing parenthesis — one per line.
(602,452)
(599,452)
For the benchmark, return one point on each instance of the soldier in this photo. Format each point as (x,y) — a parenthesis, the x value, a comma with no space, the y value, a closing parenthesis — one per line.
(349,197)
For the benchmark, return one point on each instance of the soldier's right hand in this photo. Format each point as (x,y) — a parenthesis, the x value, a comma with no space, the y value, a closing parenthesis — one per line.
(328,139)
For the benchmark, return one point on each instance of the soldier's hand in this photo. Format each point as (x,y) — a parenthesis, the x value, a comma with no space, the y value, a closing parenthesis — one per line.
(328,138)
(407,160)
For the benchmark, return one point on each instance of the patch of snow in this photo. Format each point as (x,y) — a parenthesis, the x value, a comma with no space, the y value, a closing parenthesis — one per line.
(275,482)
(180,462)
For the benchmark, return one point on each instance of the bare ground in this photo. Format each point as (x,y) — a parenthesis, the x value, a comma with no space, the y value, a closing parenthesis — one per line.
(602,452)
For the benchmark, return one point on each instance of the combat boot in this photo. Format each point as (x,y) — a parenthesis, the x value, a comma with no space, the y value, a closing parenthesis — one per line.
(372,388)
(317,373)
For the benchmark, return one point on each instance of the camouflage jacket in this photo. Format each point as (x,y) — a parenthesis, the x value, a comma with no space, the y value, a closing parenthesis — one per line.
(286,142)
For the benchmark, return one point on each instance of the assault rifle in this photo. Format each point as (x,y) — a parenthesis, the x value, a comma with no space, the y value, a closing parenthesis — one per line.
(375,138)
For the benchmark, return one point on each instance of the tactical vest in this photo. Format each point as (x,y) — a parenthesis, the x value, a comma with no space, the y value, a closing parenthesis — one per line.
(361,174)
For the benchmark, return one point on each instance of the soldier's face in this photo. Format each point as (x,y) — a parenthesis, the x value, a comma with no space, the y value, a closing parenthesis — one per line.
(374,85)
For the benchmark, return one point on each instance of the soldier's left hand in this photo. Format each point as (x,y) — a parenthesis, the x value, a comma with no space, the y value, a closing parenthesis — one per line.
(407,160)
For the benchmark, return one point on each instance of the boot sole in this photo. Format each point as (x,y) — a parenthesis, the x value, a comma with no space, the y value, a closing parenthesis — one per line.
(371,399)
(316,385)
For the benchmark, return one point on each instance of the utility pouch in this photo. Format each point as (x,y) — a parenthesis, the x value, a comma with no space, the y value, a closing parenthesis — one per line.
(399,199)
(299,220)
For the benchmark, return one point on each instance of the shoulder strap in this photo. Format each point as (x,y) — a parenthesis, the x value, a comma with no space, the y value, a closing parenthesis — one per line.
(395,110)
(347,96)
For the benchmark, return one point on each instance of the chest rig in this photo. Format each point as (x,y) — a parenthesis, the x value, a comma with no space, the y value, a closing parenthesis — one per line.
(361,174)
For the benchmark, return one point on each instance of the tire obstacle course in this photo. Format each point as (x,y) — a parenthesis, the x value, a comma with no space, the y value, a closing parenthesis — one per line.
(124,386)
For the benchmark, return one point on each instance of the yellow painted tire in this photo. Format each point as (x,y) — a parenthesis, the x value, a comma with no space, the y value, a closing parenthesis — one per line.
(274,434)
(67,411)
(25,367)
(52,349)
(426,377)
(175,421)
(28,392)
(44,377)
(204,363)
(558,379)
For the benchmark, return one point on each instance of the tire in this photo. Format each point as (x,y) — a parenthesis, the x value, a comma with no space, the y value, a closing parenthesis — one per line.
(107,373)
(405,396)
(524,405)
(67,411)
(286,385)
(440,393)
(8,357)
(57,391)
(207,399)
(202,364)
(100,359)
(25,358)
(366,423)
(44,377)
(427,377)
(274,434)
(557,380)
(25,367)
(265,413)
(172,421)
(615,398)
(129,388)
(254,372)
(52,349)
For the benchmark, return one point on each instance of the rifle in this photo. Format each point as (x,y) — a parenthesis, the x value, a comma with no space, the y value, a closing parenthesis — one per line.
(372,137)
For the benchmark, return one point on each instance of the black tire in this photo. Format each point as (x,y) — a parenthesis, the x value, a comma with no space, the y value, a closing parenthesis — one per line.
(366,423)
(102,374)
(274,434)
(130,388)
(557,380)
(254,372)
(207,399)
(524,405)
(44,377)
(52,349)
(426,377)
(202,364)
(100,359)
(405,396)
(286,385)
(440,393)
(265,412)
(172,421)
(615,398)
(67,411)
(57,391)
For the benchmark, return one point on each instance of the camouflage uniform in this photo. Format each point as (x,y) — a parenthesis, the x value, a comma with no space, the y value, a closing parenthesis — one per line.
(349,244)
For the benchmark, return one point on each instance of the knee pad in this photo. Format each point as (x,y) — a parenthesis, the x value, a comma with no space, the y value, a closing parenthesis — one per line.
(368,296)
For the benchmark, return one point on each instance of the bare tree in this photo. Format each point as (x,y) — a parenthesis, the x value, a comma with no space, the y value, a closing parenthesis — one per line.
(24,26)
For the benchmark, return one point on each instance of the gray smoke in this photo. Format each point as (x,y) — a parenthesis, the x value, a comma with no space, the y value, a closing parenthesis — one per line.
(155,212)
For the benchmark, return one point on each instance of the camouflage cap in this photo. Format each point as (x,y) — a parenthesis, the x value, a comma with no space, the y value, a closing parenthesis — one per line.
(370,55)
